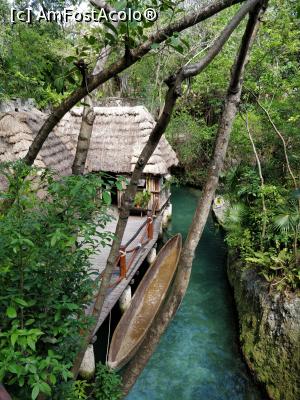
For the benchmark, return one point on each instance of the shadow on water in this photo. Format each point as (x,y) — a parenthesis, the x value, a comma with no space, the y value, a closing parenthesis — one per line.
(198,357)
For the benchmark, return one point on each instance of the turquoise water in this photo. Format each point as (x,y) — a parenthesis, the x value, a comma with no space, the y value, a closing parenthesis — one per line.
(198,357)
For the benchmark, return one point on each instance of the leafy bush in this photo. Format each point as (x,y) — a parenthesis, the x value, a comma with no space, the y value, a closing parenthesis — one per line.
(192,140)
(72,390)
(107,384)
(142,199)
(46,239)
(273,250)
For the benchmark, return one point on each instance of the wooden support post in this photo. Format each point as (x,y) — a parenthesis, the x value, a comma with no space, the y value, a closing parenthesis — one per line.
(150,227)
(123,267)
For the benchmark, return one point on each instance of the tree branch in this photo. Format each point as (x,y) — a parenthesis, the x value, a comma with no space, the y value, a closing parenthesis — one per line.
(119,66)
(192,70)
(262,181)
(281,137)
(88,115)
(169,308)
(174,83)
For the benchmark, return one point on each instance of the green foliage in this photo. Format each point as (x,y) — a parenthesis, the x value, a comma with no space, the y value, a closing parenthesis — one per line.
(142,199)
(274,253)
(193,142)
(31,59)
(80,388)
(46,238)
(107,384)
(289,218)
(72,390)
(272,74)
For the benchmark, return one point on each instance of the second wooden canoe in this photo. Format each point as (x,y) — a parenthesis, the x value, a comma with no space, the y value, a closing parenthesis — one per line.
(144,305)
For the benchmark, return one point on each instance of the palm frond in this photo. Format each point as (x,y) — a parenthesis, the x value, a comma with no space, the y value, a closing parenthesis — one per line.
(235,215)
(283,223)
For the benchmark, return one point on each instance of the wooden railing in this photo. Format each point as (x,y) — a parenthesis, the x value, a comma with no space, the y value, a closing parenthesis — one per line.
(166,203)
(147,231)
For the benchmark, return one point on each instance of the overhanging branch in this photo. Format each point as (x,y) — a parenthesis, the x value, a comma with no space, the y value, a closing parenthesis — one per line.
(119,66)
(174,82)
(178,289)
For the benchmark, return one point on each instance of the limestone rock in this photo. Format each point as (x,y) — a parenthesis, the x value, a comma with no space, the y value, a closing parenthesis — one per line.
(88,366)
(220,207)
(269,332)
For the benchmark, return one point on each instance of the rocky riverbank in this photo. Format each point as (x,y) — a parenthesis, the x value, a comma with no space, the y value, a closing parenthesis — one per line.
(269,325)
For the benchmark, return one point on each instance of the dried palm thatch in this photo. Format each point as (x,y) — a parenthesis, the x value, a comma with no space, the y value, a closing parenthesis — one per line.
(119,135)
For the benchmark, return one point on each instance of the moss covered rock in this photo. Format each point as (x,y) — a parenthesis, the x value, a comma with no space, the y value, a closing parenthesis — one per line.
(269,332)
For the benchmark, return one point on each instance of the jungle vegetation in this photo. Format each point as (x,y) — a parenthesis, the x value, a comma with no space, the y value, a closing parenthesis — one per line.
(54,64)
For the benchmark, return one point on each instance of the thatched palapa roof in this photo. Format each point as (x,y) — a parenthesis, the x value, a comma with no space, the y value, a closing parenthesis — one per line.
(119,134)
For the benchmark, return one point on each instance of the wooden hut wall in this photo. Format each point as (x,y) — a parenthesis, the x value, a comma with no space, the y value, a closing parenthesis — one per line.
(121,193)
(154,185)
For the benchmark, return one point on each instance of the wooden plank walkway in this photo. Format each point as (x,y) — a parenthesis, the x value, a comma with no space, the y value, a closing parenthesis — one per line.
(99,260)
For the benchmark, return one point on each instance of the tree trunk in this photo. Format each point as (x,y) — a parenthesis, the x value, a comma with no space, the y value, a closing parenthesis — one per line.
(84,137)
(88,115)
(262,184)
(174,83)
(87,122)
(169,308)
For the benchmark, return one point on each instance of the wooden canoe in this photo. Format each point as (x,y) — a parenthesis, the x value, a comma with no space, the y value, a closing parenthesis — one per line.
(144,305)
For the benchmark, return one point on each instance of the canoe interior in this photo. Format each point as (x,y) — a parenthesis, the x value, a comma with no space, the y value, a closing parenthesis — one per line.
(144,304)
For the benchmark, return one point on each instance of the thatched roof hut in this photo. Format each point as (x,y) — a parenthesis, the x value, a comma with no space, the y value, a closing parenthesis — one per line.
(119,135)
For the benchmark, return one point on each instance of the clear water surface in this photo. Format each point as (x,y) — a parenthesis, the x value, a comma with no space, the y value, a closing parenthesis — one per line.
(198,358)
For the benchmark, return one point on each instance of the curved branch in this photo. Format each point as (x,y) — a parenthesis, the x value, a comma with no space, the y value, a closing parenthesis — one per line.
(194,69)
(280,135)
(119,66)
(177,292)
(262,181)
(174,82)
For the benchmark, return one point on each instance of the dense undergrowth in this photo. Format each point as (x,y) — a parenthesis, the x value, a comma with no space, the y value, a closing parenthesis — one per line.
(263,225)
(47,236)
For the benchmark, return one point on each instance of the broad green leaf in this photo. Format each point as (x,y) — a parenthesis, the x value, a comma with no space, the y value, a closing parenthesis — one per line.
(31,343)
(13,368)
(119,185)
(14,338)
(45,388)
(11,312)
(29,322)
(106,197)
(21,302)
(52,379)
(32,368)
(35,391)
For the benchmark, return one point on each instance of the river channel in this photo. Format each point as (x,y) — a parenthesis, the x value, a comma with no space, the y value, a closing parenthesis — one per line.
(198,358)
